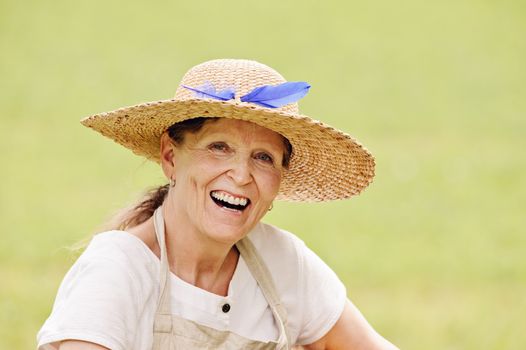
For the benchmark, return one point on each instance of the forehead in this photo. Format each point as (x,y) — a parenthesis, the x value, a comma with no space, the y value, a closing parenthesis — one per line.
(240,130)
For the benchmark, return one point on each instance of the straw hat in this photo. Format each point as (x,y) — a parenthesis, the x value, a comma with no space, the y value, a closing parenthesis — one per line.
(326,164)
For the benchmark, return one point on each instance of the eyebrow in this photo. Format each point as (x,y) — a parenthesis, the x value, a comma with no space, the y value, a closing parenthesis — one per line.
(262,146)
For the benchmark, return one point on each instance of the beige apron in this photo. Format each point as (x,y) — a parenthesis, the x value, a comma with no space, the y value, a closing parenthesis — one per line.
(172,332)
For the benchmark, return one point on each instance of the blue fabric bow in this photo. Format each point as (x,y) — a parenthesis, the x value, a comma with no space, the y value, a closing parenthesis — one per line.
(270,96)
(209,91)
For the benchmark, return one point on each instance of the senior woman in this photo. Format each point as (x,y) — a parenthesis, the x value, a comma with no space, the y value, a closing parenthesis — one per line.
(191,266)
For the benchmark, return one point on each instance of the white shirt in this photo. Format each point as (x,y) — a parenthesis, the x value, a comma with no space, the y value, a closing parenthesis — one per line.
(110,295)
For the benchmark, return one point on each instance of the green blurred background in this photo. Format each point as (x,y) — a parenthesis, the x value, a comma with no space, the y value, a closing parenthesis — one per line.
(433,253)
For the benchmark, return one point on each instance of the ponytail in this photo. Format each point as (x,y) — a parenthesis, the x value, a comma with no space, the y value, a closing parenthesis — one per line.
(140,212)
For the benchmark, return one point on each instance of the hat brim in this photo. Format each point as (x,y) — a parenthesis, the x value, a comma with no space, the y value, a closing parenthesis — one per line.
(326,164)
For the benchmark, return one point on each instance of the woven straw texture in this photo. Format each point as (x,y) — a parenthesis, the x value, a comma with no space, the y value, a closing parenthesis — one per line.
(326,164)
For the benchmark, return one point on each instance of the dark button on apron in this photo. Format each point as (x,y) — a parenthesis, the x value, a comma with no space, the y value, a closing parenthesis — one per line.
(226,308)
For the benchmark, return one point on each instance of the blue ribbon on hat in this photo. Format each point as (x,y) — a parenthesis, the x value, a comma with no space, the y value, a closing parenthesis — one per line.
(209,91)
(270,96)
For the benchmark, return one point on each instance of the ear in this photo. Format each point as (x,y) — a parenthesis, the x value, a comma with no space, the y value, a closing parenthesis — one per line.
(167,155)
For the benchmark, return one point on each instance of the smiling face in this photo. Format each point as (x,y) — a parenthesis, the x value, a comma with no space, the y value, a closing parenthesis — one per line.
(227,175)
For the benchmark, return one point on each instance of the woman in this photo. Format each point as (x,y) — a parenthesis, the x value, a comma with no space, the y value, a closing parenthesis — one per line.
(192,266)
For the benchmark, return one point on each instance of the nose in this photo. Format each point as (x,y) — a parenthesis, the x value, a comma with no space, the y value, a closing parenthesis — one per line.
(240,171)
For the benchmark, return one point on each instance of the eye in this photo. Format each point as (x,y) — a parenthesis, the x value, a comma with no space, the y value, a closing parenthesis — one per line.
(219,147)
(265,157)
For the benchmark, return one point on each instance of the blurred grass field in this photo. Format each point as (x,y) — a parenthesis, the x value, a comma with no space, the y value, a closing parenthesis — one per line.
(433,253)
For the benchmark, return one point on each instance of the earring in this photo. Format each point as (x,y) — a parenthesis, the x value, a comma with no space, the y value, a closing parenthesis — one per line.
(172,182)
(271,206)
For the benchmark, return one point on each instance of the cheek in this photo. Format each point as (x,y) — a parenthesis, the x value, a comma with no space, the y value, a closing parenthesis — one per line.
(269,185)
(204,167)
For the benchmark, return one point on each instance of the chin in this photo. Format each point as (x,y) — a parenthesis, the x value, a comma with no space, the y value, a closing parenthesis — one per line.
(228,225)
(227,234)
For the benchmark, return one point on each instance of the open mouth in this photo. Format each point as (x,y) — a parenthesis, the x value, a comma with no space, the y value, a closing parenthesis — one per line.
(228,201)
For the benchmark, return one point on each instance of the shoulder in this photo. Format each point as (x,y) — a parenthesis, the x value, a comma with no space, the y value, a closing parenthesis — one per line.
(103,296)
(284,252)
(287,255)
(310,290)
(113,261)
(118,253)
(281,250)
(270,240)
(116,245)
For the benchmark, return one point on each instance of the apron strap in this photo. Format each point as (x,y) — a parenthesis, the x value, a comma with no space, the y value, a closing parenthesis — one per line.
(264,278)
(164,305)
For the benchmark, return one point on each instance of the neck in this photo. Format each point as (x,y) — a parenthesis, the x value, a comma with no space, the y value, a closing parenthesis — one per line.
(197,259)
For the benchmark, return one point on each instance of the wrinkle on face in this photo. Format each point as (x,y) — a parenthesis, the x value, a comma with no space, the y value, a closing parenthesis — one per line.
(241,171)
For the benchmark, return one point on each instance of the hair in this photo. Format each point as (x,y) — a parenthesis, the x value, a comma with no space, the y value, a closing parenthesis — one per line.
(138,213)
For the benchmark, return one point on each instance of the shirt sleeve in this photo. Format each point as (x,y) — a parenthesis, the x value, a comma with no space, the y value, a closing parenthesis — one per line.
(321,293)
(96,302)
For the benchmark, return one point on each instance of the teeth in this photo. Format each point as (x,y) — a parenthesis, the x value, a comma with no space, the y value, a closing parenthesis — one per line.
(230,199)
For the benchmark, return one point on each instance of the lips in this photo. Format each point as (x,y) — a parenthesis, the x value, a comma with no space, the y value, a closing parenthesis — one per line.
(227,200)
